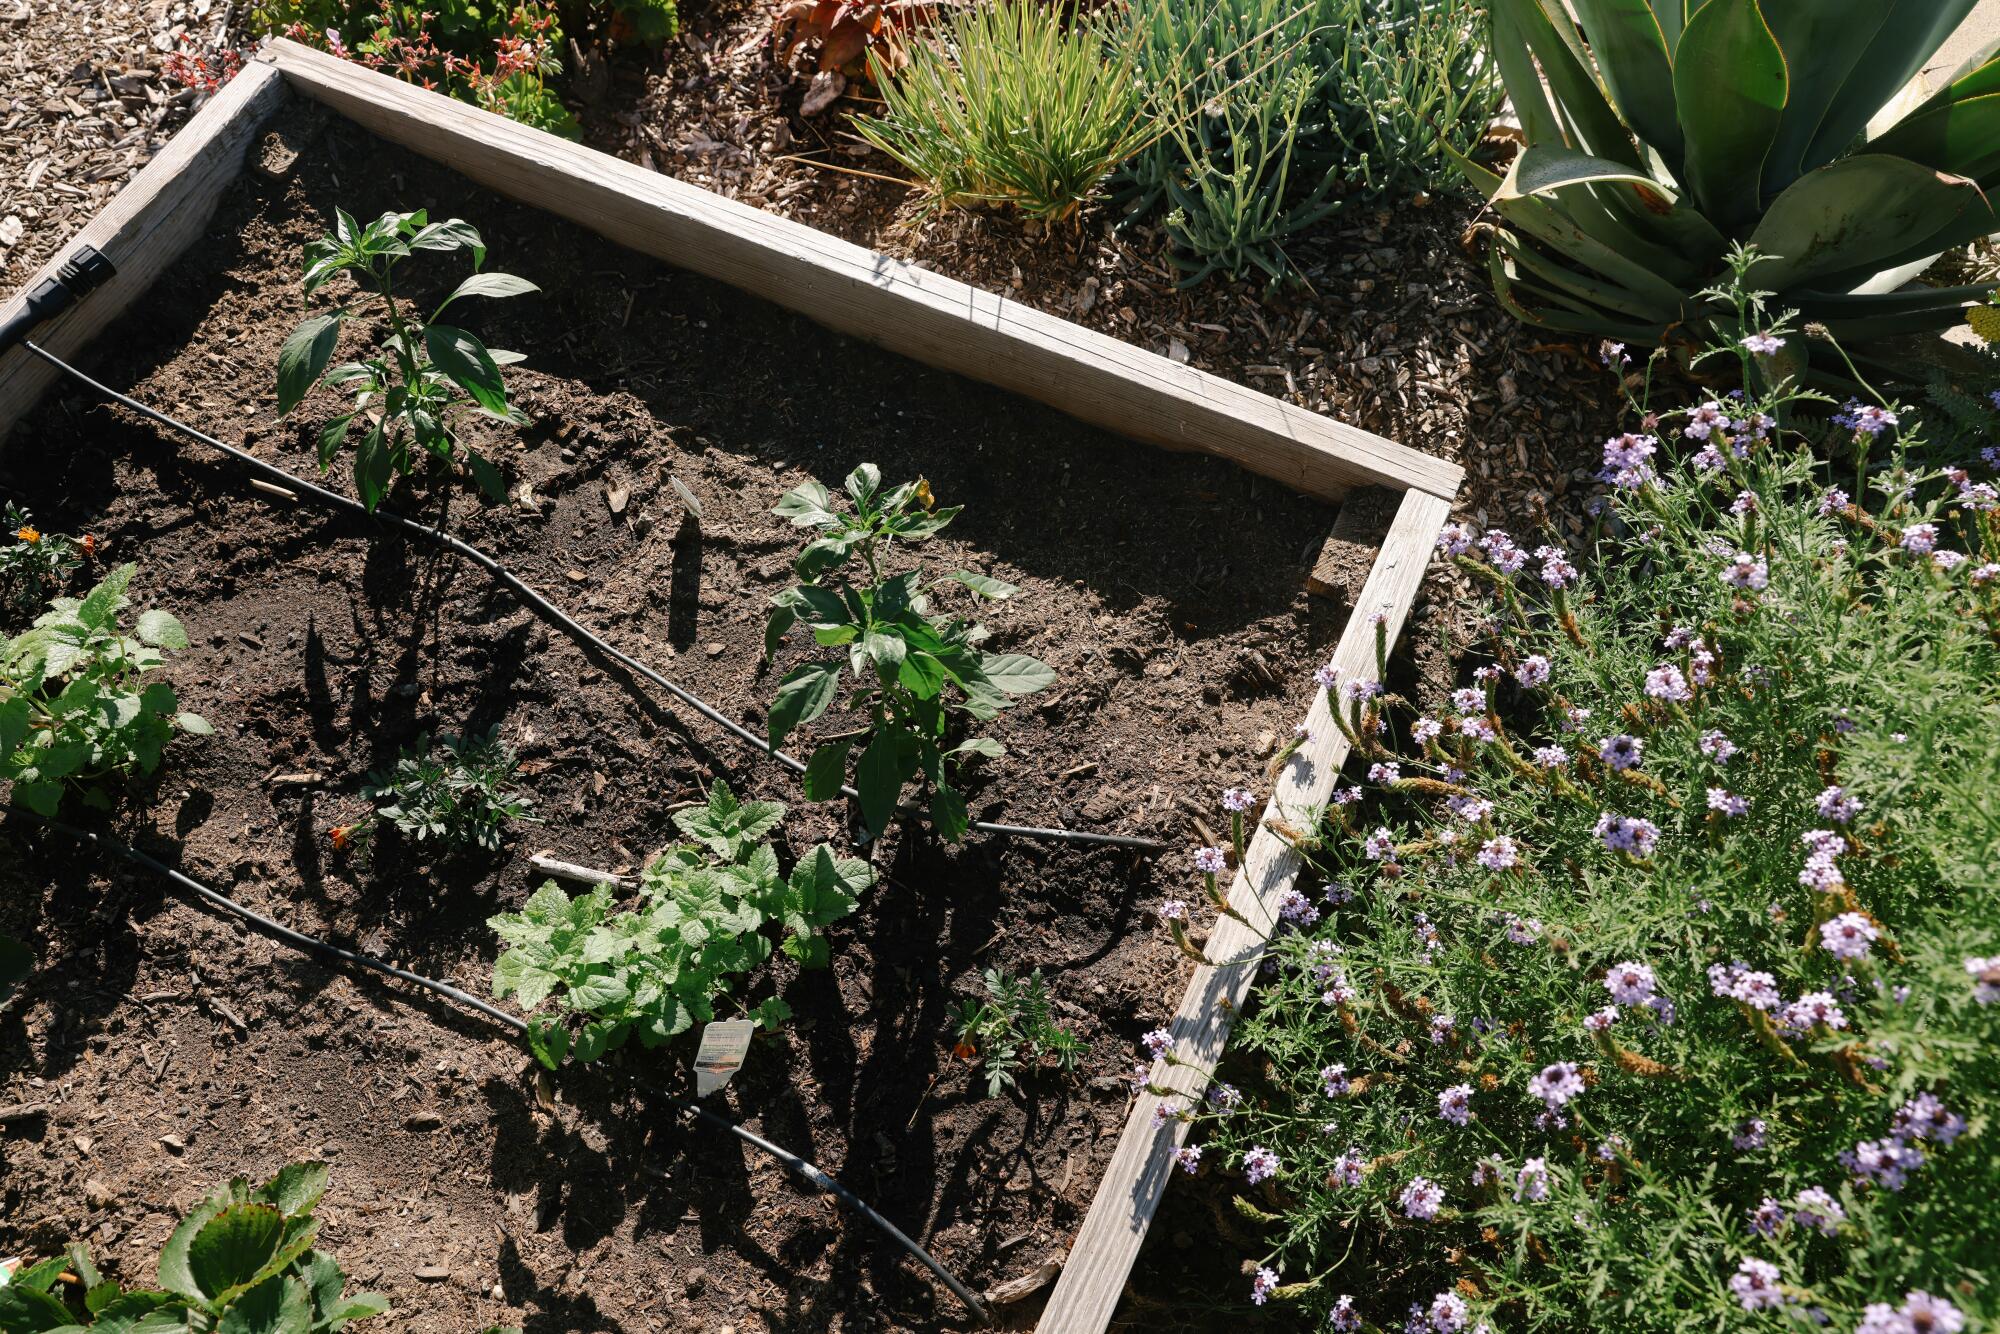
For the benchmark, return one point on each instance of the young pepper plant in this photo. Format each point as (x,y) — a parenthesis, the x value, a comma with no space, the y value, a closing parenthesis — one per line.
(408,395)
(912,671)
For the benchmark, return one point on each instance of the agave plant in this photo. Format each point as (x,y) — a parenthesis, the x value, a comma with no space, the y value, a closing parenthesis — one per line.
(1661,132)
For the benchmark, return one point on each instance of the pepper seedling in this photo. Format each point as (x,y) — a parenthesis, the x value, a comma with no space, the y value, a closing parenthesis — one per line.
(409,395)
(916,674)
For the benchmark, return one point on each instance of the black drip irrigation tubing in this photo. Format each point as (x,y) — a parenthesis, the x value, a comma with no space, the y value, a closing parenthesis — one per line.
(540,605)
(299,940)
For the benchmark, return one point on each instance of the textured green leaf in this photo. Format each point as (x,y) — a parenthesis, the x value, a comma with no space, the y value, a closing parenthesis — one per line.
(374,465)
(985,585)
(161,629)
(278,1305)
(809,505)
(948,813)
(1017,673)
(232,1247)
(1730,82)
(99,608)
(879,776)
(826,771)
(297,1188)
(863,482)
(489,284)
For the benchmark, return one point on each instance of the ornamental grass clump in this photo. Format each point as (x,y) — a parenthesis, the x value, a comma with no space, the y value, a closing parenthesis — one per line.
(1010,103)
(1654,981)
(1268,114)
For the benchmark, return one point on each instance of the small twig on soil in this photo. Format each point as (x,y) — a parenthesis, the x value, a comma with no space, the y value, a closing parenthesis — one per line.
(543,864)
(921,1101)
(22,1111)
(269,489)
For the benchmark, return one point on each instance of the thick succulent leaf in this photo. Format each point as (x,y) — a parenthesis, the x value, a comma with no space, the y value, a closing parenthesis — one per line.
(1637,68)
(1621,207)
(1672,16)
(1911,33)
(1730,82)
(1550,223)
(1823,41)
(1535,304)
(1582,293)
(1857,213)
(1961,137)
(1535,40)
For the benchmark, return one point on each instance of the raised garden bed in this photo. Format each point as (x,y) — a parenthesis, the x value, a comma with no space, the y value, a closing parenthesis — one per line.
(167,1051)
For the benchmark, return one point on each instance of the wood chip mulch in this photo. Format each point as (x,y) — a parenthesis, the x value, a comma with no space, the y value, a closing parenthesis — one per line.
(83,105)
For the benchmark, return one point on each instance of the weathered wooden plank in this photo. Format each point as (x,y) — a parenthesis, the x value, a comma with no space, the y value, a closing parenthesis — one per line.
(145,227)
(1094,1276)
(909,310)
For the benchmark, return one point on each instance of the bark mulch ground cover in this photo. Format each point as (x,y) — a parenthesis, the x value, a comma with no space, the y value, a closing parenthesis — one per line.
(165,1050)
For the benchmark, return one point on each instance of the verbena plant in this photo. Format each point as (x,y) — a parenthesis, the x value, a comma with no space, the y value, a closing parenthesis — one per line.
(462,799)
(242,1263)
(913,672)
(1011,103)
(75,710)
(1266,115)
(409,393)
(1682,129)
(34,566)
(1655,984)
(1015,1023)
(656,967)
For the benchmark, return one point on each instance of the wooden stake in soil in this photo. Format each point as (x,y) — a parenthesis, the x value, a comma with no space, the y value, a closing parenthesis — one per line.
(1094,1277)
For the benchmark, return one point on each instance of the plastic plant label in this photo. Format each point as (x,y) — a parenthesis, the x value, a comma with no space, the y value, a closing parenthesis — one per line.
(724,1044)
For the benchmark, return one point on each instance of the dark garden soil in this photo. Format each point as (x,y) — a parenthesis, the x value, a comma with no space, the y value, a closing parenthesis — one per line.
(167,1050)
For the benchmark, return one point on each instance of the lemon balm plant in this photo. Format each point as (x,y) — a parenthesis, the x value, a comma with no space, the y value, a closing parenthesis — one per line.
(1653,983)
(915,673)
(409,393)
(654,968)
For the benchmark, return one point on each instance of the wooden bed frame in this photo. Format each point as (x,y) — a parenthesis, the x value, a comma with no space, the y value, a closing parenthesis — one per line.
(909,310)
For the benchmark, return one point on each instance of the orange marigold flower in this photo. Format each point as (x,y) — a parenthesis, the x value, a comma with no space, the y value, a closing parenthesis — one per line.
(89,545)
(341,834)
(28,535)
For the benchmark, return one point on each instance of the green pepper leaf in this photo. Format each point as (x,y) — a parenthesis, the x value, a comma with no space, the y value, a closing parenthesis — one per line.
(465,359)
(304,356)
